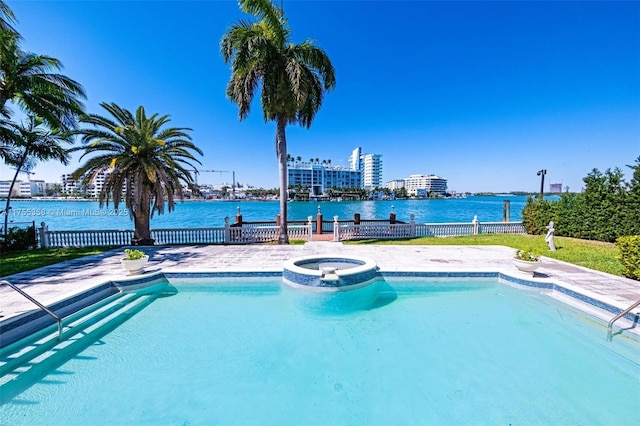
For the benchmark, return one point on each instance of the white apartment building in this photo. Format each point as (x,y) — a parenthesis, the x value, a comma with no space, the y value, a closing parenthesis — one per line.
(395,184)
(96,185)
(370,167)
(69,184)
(30,188)
(4,189)
(22,189)
(372,171)
(92,189)
(319,178)
(355,159)
(422,185)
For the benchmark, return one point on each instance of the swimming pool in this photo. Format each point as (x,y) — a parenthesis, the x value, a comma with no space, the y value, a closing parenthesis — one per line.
(429,351)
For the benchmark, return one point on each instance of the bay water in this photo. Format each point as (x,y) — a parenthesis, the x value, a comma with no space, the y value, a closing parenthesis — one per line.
(80,214)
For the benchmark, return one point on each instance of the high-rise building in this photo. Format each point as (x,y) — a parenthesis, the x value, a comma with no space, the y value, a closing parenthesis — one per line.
(355,160)
(370,167)
(372,171)
(69,184)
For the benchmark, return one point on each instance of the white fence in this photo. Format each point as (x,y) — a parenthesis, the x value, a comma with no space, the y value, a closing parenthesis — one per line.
(266,233)
(413,230)
(221,235)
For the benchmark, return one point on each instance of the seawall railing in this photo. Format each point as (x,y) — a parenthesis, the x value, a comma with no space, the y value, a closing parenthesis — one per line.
(260,232)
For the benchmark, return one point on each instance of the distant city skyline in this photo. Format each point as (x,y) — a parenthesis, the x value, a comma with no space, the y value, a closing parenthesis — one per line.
(482,93)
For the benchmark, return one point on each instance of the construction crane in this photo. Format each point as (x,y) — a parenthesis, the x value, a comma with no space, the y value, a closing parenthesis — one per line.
(233,186)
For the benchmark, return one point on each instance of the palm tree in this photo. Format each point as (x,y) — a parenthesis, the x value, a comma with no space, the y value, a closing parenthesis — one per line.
(33,141)
(143,160)
(292,78)
(27,80)
(6,19)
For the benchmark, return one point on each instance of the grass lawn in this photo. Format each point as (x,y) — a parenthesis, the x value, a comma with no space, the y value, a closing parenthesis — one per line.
(20,261)
(590,254)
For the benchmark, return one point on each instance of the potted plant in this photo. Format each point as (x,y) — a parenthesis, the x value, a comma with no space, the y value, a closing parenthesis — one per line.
(135,261)
(526,261)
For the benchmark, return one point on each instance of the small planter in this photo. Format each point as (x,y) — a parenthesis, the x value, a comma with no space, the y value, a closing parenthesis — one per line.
(526,266)
(136,266)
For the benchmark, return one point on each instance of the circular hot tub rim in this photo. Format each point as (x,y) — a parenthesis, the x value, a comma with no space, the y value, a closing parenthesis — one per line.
(363,272)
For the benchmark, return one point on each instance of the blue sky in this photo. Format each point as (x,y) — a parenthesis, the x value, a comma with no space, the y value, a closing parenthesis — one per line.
(482,93)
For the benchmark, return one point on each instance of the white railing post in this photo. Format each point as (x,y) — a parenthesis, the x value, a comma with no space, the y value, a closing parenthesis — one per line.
(336,229)
(475,225)
(310,228)
(227,230)
(412,223)
(44,235)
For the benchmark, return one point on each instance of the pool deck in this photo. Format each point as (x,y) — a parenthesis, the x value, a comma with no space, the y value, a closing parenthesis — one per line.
(56,282)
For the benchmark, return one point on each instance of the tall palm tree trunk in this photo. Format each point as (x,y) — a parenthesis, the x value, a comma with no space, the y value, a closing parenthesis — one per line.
(142,223)
(5,230)
(281,153)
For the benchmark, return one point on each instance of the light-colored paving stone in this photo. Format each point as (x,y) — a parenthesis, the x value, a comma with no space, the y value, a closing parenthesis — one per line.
(56,282)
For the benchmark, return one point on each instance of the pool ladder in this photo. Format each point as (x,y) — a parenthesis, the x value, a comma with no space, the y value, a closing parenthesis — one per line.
(617,317)
(40,305)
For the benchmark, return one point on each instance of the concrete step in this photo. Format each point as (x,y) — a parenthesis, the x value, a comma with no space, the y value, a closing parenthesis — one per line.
(20,372)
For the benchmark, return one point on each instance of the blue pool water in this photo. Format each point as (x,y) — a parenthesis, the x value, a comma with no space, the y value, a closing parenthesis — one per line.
(427,352)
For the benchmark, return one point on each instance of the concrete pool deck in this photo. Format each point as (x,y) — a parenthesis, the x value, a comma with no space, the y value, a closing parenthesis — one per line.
(56,282)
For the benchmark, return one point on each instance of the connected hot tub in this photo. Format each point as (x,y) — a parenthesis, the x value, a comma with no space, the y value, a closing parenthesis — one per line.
(331,284)
(329,273)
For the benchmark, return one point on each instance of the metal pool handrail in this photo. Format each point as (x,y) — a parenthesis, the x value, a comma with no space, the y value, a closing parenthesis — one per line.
(40,305)
(616,318)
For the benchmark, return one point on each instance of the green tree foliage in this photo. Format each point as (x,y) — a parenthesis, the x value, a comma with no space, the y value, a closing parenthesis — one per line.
(140,156)
(33,141)
(608,208)
(292,78)
(7,18)
(31,82)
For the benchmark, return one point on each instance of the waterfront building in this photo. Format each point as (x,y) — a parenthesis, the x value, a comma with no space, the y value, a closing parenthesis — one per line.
(30,188)
(4,189)
(22,189)
(319,178)
(355,159)
(369,166)
(395,184)
(372,171)
(91,189)
(97,183)
(69,184)
(423,185)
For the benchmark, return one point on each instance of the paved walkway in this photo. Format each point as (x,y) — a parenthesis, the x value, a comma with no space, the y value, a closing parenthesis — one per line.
(56,282)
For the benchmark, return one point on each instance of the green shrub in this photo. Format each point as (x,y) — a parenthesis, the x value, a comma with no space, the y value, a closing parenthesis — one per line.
(607,208)
(536,215)
(18,239)
(629,255)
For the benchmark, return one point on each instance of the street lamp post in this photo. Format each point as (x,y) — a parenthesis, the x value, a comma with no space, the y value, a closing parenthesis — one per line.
(541,173)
